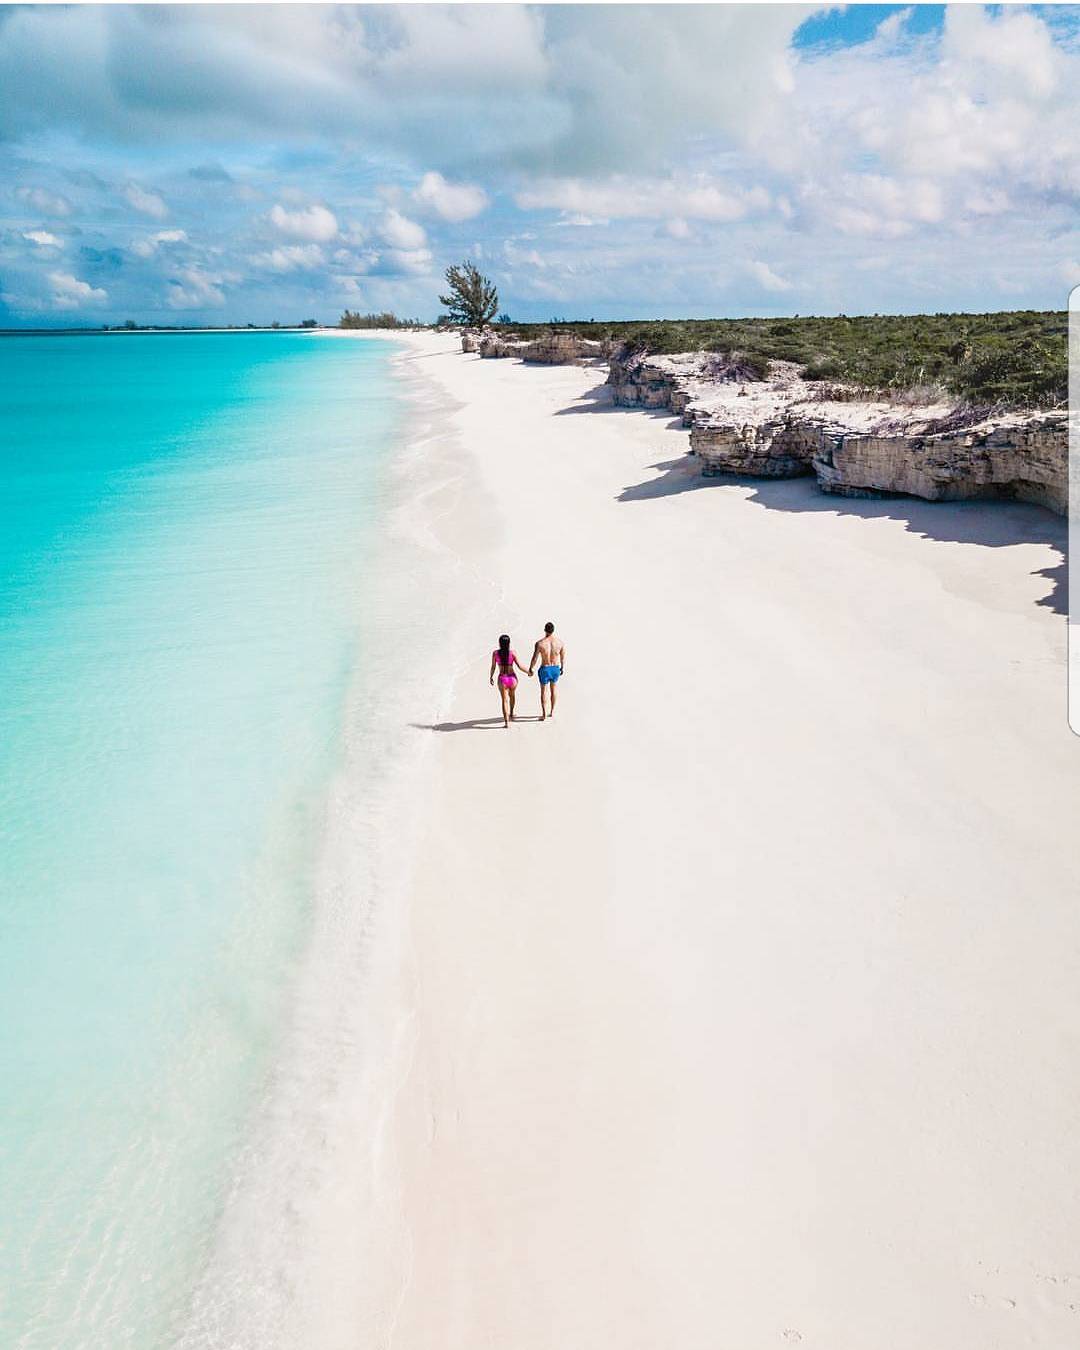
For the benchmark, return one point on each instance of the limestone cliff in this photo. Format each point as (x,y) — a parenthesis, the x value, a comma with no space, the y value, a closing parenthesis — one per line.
(747,421)
(553,349)
(1025,459)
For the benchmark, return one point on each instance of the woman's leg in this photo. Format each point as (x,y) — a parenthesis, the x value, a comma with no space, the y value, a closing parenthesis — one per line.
(504,694)
(513,701)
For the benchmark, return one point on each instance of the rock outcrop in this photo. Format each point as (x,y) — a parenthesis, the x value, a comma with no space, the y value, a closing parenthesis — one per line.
(639,381)
(553,349)
(1025,460)
(780,448)
(1007,456)
(854,442)
(563,349)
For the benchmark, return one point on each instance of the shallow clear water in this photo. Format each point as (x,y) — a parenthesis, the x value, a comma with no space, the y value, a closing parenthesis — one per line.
(184,521)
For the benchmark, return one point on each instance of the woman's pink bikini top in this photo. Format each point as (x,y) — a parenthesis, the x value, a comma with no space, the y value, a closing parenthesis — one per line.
(497,658)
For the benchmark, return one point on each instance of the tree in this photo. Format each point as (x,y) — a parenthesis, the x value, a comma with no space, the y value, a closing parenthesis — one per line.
(473,300)
(386,319)
(504,318)
(310,323)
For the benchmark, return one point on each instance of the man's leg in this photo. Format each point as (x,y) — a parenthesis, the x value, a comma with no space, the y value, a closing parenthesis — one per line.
(543,701)
(553,686)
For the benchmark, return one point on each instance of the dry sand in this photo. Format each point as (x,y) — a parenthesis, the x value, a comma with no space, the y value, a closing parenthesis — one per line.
(743,996)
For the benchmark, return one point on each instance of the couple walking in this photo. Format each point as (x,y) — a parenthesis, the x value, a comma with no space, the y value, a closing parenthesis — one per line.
(551,656)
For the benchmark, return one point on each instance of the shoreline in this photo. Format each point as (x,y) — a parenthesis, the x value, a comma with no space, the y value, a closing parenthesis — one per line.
(623,1066)
(659,1055)
(305,1209)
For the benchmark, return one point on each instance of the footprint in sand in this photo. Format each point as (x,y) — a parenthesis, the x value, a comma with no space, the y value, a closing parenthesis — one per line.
(792,1336)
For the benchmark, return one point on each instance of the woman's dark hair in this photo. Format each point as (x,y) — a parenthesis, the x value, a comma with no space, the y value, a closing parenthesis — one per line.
(504,651)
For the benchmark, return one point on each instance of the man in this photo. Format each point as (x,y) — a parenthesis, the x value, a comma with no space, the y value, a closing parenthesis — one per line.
(551,654)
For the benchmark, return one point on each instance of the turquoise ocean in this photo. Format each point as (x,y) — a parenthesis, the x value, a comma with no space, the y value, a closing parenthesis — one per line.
(186,524)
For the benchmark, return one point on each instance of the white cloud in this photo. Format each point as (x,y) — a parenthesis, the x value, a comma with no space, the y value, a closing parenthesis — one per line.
(148,246)
(195,289)
(766,277)
(401,232)
(393,262)
(578,221)
(48,203)
(415,261)
(1010,47)
(452,201)
(70,292)
(292,258)
(42,238)
(314,223)
(149,203)
(517,256)
(647,199)
(912,169)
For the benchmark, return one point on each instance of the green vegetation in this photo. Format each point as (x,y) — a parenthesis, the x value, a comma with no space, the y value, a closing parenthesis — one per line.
(384,320)
(473,299)
(309,323)
(1010,359)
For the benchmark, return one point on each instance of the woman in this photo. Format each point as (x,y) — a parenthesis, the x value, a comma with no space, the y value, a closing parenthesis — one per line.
(503,658)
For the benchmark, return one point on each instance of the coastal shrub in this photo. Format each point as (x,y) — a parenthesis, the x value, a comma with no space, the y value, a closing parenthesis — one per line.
(384,320)
(1015,359)
(822,370)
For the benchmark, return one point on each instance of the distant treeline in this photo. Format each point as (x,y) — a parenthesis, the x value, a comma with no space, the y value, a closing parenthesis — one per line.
(384,320)
(1018,358)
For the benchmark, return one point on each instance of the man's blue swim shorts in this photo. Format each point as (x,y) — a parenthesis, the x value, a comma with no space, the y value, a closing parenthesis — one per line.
(549,674)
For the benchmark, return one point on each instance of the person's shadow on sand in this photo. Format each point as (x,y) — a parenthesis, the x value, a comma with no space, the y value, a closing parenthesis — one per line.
(474,724)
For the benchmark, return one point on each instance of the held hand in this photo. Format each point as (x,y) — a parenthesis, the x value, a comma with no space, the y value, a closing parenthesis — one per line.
(491,681)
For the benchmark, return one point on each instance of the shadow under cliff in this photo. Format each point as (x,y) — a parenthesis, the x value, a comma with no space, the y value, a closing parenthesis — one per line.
(987,523)
(599,400)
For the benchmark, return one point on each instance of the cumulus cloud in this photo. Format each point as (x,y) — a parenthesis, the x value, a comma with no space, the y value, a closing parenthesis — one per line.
(536,88)
(401,232)
(766,277)
(149,203)
(945,147)
(452,201)
(401,262)
(292,258)
(645,199)
(42,238)
(149,245)
(48,203)
(70,292)
(314,223)
(194,289)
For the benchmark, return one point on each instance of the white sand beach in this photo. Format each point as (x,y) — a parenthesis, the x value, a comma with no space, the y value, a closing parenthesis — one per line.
(742,997)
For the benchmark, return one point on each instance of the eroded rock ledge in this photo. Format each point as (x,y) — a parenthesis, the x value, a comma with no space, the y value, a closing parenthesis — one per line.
(783,426)
(555,349)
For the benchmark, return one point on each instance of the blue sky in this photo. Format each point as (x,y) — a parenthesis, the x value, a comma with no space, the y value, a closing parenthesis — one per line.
(209,164)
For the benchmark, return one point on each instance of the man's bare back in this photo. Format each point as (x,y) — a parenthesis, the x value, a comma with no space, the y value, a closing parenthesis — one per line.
(549,650)
(550,654)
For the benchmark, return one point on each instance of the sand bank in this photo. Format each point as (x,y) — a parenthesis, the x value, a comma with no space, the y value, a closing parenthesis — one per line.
(744,994)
